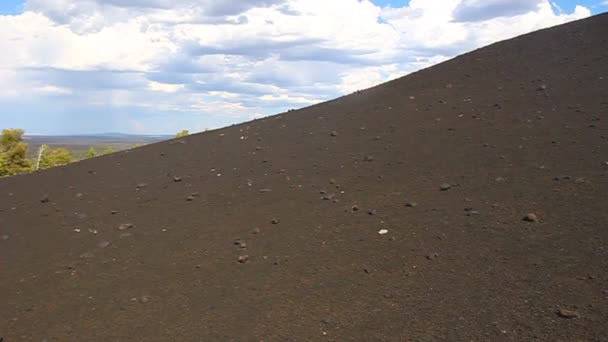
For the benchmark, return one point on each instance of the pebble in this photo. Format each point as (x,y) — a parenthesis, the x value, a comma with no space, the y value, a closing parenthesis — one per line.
(411,204)
(240,244)
(177,179)
(243,259)
(355,208)
(5,237)
(141,185)
(103,244)
(126,226)
(432,256)
(264,190)
(565,313)
(256,231)
(445,186)
(275,221)
(190,198)
(45,199)
(334,133)
(531,217)
(368,158)
(383,231)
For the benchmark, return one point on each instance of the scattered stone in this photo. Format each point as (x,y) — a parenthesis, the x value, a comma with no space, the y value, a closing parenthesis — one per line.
(113,212)
(264,190)
(124,235)
(275,221)
(256,231)
(144,299)
(125,226)
(355,208)
(103,244)
(5,237)
(445,187)
(579,180)
(500,179)
(334,133)
(332,181)
(243,259)
(432,256)
(411,204)
(568,314)
(542,88)
(368,158)
(141,186)
(371,212)
(79,195)
(45,199)
(177,179)
(190,198)
(240,244)
(87,255)
(531,217)
(383,231)
(328,197)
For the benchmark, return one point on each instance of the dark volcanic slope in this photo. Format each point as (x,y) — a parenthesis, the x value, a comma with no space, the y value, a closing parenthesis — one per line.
(518,127)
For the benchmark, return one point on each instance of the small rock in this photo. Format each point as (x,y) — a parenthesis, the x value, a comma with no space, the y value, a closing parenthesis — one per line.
(5,237)
(569,314)
(432,256)
(113,212)
(411,204)
(354,208)
(264,190)
(531,217)
(371,212)
(334,133)
(256,231)
(87,255)
(125,226)
(103,244)
(45,199)
(240,244)
(141,186)
(190,198)
(445,187)
(177,179)
(368,158)
(243,259)
(144,299)
(383,231)
(275,221)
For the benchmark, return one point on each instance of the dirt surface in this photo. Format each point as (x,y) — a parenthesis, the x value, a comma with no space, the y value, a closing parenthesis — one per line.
(465,202)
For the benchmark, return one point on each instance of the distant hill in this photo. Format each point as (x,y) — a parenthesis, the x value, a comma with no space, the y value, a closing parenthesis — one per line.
(79,144)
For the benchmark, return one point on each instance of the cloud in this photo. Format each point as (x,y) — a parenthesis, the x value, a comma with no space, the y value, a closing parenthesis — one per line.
(479,10)
(218,61)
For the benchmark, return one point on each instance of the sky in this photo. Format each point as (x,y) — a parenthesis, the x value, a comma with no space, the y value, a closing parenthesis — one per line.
(160,66)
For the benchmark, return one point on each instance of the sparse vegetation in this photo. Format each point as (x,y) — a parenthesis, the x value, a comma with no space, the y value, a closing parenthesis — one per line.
(182,134)
(13,153)
(55,157)
(91,153)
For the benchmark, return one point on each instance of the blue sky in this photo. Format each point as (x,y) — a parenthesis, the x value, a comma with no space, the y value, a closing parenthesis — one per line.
(157,67)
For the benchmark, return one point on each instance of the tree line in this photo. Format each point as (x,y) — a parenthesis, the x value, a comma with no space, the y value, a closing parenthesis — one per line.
(14,160)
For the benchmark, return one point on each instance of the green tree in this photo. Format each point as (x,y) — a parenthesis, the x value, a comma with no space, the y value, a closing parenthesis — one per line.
(13,153)
(54,157)
(91,153)
(182,134)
